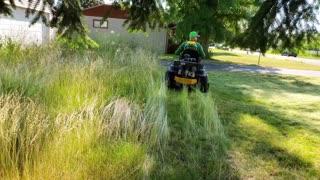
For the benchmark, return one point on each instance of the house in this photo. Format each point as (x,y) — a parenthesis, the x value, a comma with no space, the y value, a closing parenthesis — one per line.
(155,39)
(18,27)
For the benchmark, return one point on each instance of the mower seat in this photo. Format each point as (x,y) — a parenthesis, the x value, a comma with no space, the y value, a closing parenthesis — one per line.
(190,54)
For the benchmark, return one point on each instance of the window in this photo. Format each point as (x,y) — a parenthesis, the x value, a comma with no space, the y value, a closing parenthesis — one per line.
(97,24)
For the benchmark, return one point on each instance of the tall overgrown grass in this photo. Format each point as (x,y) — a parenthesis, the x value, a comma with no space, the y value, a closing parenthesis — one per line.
(99,114)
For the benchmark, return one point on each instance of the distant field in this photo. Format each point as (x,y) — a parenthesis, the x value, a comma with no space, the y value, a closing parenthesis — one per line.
(232,57)
(309,57)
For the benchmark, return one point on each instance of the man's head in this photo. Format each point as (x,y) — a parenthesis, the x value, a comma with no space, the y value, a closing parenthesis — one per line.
(193,36)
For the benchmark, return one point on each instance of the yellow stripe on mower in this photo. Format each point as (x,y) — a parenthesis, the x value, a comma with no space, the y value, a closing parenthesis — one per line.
(185,80)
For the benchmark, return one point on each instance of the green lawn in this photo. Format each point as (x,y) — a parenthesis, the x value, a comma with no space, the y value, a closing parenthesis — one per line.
(232,57)
(273,123)
(314,57)
(307,56)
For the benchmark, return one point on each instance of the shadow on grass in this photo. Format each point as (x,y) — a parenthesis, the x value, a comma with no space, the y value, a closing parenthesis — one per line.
(268,151)
(212,59)
(256,142)
(226,53)
(232,64)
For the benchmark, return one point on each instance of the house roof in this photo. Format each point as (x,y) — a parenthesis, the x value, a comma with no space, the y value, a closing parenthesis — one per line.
(102,10)
(25,4)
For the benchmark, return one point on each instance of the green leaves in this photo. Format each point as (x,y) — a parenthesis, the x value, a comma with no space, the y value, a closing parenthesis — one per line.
(143,14)
(253,24)
(214,20)
(280,23)
(76,42)
(67,18)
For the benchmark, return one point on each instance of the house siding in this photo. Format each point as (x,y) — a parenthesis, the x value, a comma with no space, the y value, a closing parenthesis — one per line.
(18,28)
(154,39)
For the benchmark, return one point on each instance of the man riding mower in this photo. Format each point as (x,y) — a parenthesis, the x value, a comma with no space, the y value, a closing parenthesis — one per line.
(187,71)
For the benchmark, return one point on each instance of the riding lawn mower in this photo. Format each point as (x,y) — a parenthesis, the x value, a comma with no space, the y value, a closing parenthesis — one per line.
(187,72)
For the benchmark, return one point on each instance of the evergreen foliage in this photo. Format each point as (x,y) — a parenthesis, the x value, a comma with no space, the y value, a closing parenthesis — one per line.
(67,18)
(253,24)
(143,14)
(5,8)
(284,23)
(91,3)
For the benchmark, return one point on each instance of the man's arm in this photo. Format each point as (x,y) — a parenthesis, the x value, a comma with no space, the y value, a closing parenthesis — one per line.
(200,50)
(180,49)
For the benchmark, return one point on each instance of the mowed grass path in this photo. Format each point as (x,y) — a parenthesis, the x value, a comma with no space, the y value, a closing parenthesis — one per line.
(232,57)
(273,123)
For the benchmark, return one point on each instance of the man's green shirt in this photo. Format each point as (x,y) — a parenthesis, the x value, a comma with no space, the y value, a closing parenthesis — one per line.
(191,45)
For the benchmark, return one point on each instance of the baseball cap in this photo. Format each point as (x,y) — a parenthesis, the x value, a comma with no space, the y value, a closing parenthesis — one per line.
(193,34)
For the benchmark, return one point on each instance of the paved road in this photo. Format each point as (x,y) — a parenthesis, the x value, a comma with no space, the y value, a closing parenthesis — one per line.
(303,60)
(218,66)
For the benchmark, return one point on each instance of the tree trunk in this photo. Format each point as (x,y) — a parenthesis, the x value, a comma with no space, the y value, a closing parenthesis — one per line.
(205,44)
(259,58)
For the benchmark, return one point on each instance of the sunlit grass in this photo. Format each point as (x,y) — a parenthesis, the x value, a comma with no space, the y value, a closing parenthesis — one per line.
(232,57)
(309,56)
(273,123)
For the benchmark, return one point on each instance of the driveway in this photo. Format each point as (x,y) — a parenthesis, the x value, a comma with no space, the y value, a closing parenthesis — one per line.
(219,66)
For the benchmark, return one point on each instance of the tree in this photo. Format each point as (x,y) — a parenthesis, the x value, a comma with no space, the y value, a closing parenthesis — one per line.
(313,45)
(143,14)
(66,15)
(5,8)
(285,22)
(215,20)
